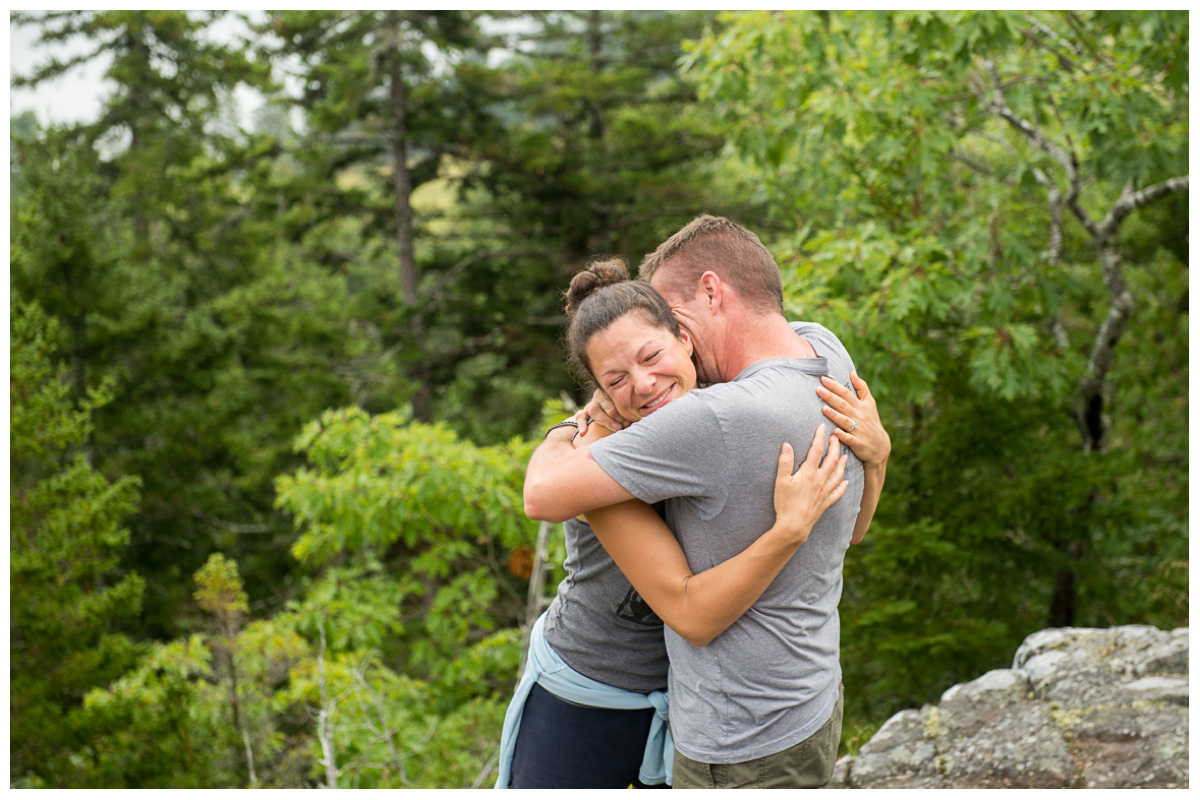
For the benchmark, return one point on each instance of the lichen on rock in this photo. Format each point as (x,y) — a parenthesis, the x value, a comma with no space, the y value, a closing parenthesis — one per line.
(1080,708)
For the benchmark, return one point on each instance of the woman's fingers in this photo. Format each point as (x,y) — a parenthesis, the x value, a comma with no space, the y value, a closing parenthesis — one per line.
(832,460)
(817,447)
(835,394)
(833,387)
(787,462)
(839,418)
(831,475)
(841,398)
(860,386)
(857,418)
(581,421)
(602,412)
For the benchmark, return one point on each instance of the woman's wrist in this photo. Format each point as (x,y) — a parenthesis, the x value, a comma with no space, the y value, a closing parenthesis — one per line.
(790,533)
(879,465)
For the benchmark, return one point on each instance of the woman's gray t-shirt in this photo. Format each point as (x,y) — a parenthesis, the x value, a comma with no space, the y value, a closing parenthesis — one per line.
(599,624)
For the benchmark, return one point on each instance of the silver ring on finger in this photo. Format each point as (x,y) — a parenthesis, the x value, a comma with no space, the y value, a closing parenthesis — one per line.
(853,426)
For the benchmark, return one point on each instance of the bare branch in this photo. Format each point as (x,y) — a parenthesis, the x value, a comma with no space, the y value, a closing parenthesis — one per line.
(250,759)
(486,770)
(1092,425)
(1091,389)
(1075,22)
(1054,256)
(1000,140)
(536,600)
(1055,44)
(1056,215)
(1000,107)
(982,169)
(324,726)
(1065,157)
(1130,200)
(384,733)
(232,527)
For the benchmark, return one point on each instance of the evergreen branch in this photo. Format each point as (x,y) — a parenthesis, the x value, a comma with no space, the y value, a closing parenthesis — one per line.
(55,68)
(667,53)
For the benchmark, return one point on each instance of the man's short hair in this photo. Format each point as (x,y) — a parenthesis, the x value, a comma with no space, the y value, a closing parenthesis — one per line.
(732,252)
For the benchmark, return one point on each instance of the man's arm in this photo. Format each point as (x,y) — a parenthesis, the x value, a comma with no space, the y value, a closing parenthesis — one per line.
(562,481)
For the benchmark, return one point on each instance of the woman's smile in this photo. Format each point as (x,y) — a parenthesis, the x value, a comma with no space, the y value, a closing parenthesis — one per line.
(659,401)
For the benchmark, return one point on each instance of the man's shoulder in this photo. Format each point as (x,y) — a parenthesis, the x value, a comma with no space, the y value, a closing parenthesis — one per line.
(825,341)
(693,412)
(815,330)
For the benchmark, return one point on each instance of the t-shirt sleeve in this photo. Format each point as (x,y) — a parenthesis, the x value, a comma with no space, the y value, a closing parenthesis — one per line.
(678,451)
(825,343)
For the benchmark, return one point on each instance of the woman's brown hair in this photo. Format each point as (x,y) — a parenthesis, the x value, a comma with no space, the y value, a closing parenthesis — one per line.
(599,296)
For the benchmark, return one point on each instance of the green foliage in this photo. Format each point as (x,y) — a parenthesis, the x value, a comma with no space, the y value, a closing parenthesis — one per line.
(65,536)
(914,152)
(218,353)
(203,711)
(441,512)
(344,611)
(307,697)
(596,148)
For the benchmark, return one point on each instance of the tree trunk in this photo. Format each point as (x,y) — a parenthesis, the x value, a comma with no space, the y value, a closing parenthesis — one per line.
(402,183)
(1093,427)
(535,601)
(141,224)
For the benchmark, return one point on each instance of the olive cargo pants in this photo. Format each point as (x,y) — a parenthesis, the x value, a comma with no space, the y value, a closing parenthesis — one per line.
(807,765)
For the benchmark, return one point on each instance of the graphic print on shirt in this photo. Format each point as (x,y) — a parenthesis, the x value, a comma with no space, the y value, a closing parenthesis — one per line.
(635,609)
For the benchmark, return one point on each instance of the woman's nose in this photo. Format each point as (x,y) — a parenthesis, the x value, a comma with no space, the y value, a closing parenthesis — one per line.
(643,382)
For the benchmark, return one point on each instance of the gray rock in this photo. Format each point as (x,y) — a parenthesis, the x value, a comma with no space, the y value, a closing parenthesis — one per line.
(898,755)
(1018,747)
(999,687)
(1081,708)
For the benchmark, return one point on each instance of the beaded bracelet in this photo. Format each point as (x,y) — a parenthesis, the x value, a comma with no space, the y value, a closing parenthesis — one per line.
(564,423)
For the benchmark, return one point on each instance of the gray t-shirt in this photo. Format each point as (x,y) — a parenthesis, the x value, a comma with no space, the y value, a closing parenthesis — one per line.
(599,624)
(771,679)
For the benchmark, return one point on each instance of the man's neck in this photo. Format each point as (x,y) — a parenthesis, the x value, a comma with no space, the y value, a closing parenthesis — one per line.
(761,337)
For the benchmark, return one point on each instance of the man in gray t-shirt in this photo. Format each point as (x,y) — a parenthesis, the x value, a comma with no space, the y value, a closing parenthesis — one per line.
(769,684)
(771,680)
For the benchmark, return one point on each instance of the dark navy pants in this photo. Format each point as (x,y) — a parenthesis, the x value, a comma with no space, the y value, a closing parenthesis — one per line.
(564,746)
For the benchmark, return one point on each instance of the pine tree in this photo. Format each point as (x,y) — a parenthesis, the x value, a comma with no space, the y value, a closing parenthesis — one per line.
(66,534)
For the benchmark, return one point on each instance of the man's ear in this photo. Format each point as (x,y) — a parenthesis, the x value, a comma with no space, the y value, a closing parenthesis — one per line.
(712,290)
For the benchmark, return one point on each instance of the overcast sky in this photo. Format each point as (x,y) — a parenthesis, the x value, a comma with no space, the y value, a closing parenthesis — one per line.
(74,97)
(77,95)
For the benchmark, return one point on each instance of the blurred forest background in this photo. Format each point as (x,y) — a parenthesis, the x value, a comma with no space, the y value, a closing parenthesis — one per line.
(273,385)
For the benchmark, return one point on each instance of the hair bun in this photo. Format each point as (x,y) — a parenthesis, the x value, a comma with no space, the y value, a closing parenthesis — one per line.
(597,276)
